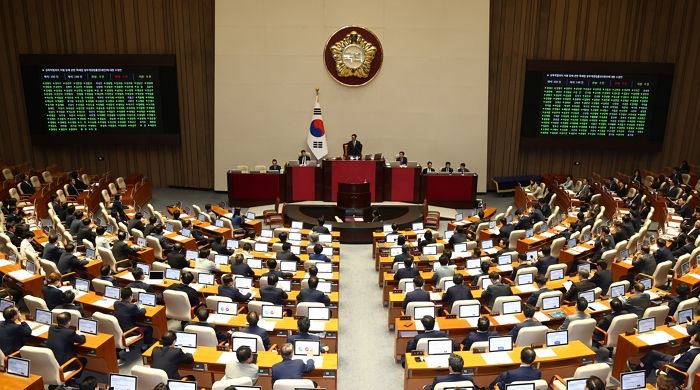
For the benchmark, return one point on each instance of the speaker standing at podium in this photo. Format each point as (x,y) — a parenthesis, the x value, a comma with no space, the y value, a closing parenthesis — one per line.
(304,158)
(354,148)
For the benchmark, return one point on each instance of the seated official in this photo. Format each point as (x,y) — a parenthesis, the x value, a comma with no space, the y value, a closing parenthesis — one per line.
(654,360)
(584,284)
(303,158)
(303,325)
(603,277)
(286,253)
(176,259)
(53,296)
(274,167)
(318,254)
(70,263)
(196,234)
(639,300)
(462,168)
(459,236)
(319,228)
(429,168)
(444,270)
(76,223)
(458,292)
(408,271)
(311,294)
(541,287)
(484,270)
(682,293)
(69,304)
(119,208)
(219,246)
(253,328)
(85,232)
(271,293)
(272,270)
(482,333)
(127,312)
(604,323)
(101,241)
(243,366)
(210,212)
(401,158)
(240,268)
(121,249)
(529,313)
(430,332)
(204,264)
(52,250)
(136,222)
(447,168)
(545,261)
(495,290)
(288,368)
(106,275)
(526,372)
(13,331)
(580,314)
(427,240)
(138,282)
(168,357)
(202,315)
(62,340)
(228,289)
(663,253)
(456,366)
(164,243)
(185,279)
(644,264)
(403,256)
(417,295)
(150,226)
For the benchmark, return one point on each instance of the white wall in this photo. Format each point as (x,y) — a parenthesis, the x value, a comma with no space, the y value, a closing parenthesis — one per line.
(429,99)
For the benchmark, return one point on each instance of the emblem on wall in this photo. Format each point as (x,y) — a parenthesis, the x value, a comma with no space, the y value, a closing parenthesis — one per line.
(353,56)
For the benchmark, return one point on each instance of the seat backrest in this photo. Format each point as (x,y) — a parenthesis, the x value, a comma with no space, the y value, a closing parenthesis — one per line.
(540,384)
(526,270)
(498,303)
(557,246)
(177,305)
(582,330)
(43,364)
(625,283)
(621,245)
(402,283)
(107,258)
(48,266)
(148,377)
(661,273)
(153,242)
(422,344)
(620,324)
(679,263)
(225,383)
(659,312)
(609,255)
(7,174)
(692,370)
(34,303)
(601,370)
(137,233)
(74,315)
(690,303)
(454,385)
(515,235)
(303,308)
(480,344)
(410,309)
(261,346)
(206,337)
(256,306)
(549,294)
(531,335)
(100,285)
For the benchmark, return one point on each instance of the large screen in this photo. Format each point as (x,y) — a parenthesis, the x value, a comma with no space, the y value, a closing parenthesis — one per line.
(596,104)
(101,98)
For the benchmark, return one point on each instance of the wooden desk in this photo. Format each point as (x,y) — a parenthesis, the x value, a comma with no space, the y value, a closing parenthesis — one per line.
(31,285)
(99,350)
(155,315)
(209,366)
(569,357)
(632,347)
(14,382)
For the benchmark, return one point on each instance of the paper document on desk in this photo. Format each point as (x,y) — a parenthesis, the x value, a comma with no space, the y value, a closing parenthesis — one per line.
(318,360)
(4,262)
(559,228)
(472,321)
(490,251)
(79,294)
(419,325)
(506,319)
(541,317)
(597,306)
(434,361)
(547,234)
(267,325)
(226,357)
(545,353)
(262,239)
(505,268)
(178,237)
(680,329)
(245,291)
(567,285)
(526,288)
(188,350)
(474,272)
(21,274)
(435,296)
(65,288)
(655,337)
(319,325)
(460,255)
(104,302)
(153,282)
(37,328)
(495,231)
(495,358)
(197,286)
(128,276)
(653,296)
(219,318)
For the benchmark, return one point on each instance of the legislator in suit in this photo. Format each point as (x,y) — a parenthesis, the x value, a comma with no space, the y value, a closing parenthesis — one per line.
(13,332)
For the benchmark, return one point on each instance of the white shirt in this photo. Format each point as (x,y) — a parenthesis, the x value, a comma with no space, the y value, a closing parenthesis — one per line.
(26,247)
(206,265)
(102,242)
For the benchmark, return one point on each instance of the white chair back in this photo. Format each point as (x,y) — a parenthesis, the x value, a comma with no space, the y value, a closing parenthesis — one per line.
(531,335)
(498,303)
(206,337)
(293,384)
(582,330)
(659,312)
(410,309)
(261,346)
(620,324)
(691,303)
(225,383)
(148,377)
(177,305)
(515,235)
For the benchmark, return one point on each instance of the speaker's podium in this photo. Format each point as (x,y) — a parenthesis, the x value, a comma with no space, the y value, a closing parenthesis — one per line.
(354,201)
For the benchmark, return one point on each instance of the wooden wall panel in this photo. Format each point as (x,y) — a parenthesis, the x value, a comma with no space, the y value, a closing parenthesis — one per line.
(181,27)
(591,30)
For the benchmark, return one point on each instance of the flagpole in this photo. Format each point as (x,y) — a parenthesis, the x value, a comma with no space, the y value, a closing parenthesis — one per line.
(317,94)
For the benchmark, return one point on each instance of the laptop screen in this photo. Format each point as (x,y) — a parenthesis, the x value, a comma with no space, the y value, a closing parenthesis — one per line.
(122,382)
(429,250)
(329,238)
(328,251)
(319,313)
(181,385)
(459,217)
(469,311)
(172,274)
(42,316)
(324,268)
(266,233)
(82,285)
(505,260)
(617,291)
(556,274)
(685,268)
(294,236)
(86,325)
(576,384)
(112,292)
(487,244)
(559,337)
(646,324)
(633,380)
(492,225)
(387,228)
(525,279)
(272,311)
(417,226)
(227,308)
(646,282)
(461,247)
(30,267)
(231,244)
(207,279)
(685,316)
(251,342)
(306,347)
(500,343)
(156,275)
(485,282)
(147,299)
(285,285)
(254,263)
(531,255)
(18,366)
(571,243)
(186,339)
(440,347)
(260,247)
(249,215)
(447,285)
(190,255)
(395,251)
(169,227)
(144,267)
(324,287)
(422,311)
(408,286)
(549,303)
(511,307)
(297,225)
(448,234)
(521,386)
(90,253)
(473,263)
(219,223)
(185,232)
(245,283)
(529,233)
(141,241)
(296,249)
(589,295)
(221,259)
(586,267)
(288,266)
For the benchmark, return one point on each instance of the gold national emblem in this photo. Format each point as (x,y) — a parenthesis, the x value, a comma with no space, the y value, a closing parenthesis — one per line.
(353,56)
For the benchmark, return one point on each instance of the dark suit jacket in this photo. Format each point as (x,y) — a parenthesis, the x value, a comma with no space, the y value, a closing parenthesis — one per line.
(476,336)
(320,229)
(121,250)
(313,295)
(687,248)
(75,226)
(140,284)
(27,187)
(260,332)
(686,359)
(406,273)
(273,295)
(525,324)
(148,229)
(302,336)
(177,260)
(522,373)
(319,257)
(401,257)
(524,223)
(291,369)
(192,294)
(169,360)
(12,336)
(458,238)
(242,269)
(417,295)
(603,279)
(454,377)
(457,292)
(304,159)
(233,293)
(402,160)
(287,256)
(118,207)
(69,263)
(127,314)
(62,342)
(355,149)
(53,296)
(52,252)
(543,263)
(505,230)
(220,249)
(638,304)
(135,224)
(429,334)
(72,306)
(605,322)
(85,233)
(494,291)
(583,285)
(532,300)
(645,264)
